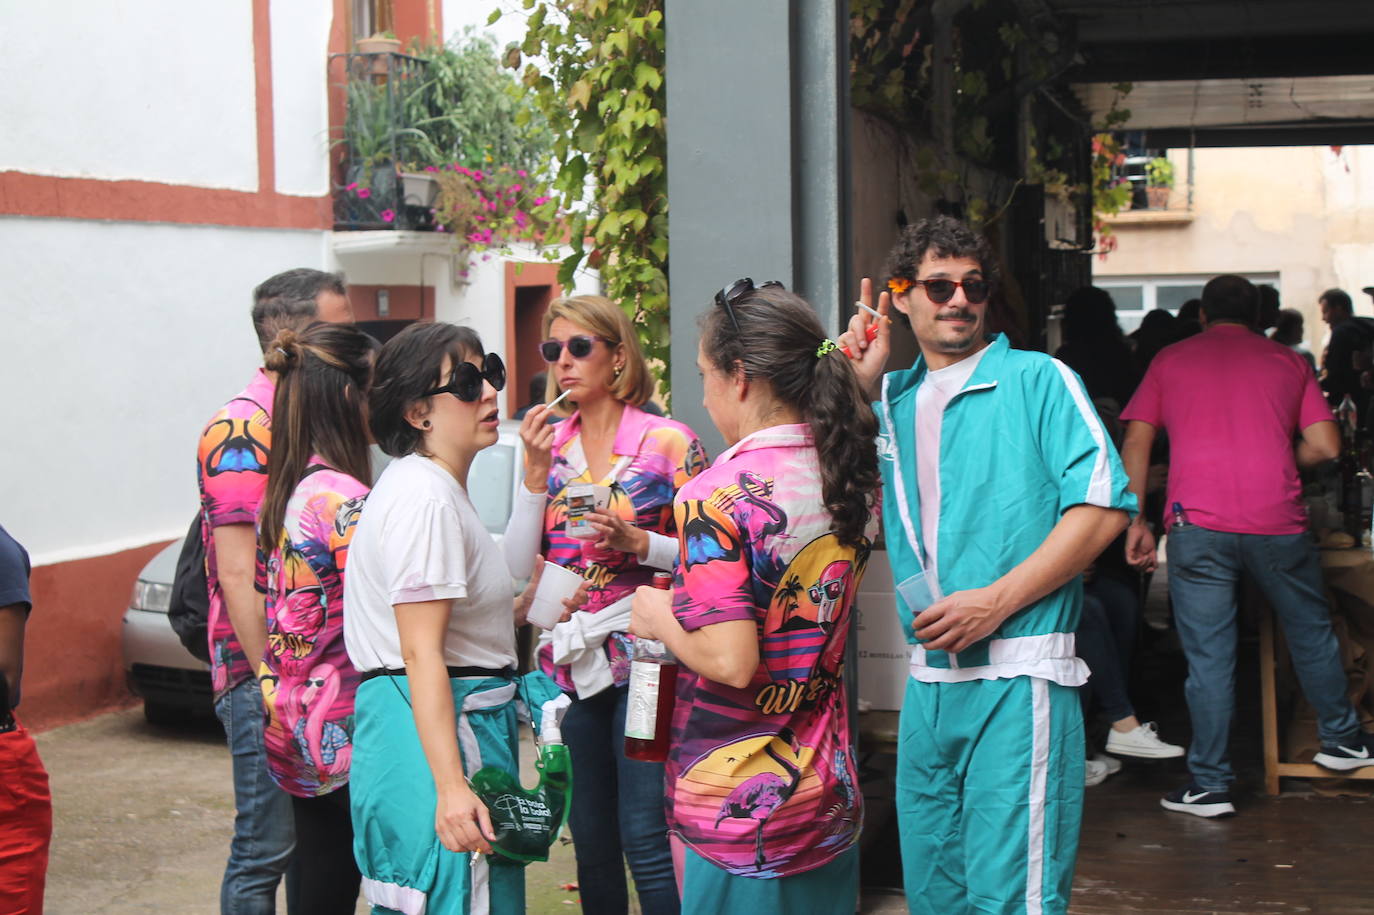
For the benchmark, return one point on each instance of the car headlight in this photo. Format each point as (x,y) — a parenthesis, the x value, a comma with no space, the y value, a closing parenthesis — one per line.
(152,595)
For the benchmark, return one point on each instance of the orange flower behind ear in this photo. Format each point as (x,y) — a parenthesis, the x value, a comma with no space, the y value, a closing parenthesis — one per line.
(899,285)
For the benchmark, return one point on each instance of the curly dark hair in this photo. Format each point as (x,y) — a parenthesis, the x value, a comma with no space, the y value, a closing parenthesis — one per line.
(947,237)
(776,340)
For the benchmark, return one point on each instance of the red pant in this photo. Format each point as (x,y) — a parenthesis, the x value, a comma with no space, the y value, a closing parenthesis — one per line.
(25,825)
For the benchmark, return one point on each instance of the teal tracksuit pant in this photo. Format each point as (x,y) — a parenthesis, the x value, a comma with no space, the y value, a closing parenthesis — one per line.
(405,868)
(989,795)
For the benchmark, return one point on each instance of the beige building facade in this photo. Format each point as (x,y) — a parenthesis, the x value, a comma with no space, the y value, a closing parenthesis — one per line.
(1299,218)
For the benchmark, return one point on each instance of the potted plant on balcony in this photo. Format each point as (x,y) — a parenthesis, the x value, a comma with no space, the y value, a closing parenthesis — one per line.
(1159,174)
(377,138)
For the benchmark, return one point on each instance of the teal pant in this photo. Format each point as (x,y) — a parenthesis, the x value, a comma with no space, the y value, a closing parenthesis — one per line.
(405,868)
(989,795)
(831,889)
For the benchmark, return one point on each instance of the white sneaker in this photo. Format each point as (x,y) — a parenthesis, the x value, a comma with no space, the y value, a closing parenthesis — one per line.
(1095,773)
(1143,742)
(1111,762)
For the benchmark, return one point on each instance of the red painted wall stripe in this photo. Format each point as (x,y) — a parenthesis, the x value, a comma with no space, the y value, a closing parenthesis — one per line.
(262,79)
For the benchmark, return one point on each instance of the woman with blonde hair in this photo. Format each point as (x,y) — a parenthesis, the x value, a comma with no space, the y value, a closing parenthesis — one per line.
(634,463)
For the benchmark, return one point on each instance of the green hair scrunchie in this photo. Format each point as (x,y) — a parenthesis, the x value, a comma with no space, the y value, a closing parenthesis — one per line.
(827,346)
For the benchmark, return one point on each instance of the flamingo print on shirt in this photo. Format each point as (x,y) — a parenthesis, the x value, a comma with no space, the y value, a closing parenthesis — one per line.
(761,779)
(308,683)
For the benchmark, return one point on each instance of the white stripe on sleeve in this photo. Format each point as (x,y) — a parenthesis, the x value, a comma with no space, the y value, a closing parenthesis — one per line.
(1100,482)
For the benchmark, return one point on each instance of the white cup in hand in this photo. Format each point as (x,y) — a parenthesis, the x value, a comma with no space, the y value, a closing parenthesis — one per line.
(556,584)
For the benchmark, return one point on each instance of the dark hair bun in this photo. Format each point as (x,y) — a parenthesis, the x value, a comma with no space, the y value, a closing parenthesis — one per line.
(283,352)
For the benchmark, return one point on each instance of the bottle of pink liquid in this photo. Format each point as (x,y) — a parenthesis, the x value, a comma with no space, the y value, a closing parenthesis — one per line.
(653,685)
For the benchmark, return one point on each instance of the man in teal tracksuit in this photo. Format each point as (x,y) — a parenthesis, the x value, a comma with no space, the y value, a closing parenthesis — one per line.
(1000,487)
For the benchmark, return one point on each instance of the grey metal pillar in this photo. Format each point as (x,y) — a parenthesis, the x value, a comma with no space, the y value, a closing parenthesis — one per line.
(758,172)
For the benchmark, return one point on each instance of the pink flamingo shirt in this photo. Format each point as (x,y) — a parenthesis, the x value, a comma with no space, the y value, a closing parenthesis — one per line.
(308,683)
(762,780)
(651,458)
(231,468)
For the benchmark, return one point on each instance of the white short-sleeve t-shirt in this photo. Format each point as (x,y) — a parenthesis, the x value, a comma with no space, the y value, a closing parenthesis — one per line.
(936,391)
(420,539)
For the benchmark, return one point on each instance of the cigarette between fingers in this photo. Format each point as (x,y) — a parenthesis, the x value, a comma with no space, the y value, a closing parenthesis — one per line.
(553,403)
(873,311)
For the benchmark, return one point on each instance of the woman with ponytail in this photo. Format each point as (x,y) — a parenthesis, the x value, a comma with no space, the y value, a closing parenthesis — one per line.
(763,787)
(318,475)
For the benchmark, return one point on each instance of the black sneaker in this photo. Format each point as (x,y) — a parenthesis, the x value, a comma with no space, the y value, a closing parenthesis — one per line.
(1198,802)
(1344,758)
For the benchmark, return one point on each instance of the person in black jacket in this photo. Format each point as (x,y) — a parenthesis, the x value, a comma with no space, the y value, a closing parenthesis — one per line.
(1347,352)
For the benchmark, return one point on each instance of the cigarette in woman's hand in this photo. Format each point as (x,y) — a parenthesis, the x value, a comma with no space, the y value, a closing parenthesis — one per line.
(553,403)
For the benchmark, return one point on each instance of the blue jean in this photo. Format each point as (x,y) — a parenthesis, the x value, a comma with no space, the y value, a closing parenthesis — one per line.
(1205,567)
(264,831)
(617,808)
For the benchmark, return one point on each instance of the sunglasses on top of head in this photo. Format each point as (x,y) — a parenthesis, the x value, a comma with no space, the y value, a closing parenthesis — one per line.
(466,381)
(737,290)
(579,347)
(941,291)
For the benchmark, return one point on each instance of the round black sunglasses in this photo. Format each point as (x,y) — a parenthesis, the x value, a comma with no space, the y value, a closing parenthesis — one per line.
(466,381)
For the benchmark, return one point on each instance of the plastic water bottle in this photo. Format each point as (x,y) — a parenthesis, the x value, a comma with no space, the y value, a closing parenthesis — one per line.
(653,686)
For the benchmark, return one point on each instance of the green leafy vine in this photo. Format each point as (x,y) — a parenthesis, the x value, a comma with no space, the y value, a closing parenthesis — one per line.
(595,70)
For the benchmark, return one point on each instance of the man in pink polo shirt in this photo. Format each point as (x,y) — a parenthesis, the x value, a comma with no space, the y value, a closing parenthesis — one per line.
(1233,403)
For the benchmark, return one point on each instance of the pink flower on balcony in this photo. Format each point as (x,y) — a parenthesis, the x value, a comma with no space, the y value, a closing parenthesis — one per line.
(522,173)
(480,218)
(521,219)
(540,201)
(388,215)
(352,187)
(514,189)
(431,168)
(364,193)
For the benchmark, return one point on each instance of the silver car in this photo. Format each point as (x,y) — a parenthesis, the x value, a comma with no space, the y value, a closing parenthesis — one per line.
(176,685)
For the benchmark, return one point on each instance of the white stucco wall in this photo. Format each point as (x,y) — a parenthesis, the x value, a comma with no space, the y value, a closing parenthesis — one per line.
(161,91)
(300,97)
(460,14)
(123,339)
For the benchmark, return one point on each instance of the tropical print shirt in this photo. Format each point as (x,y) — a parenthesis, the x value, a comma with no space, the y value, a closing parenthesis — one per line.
(762,780)
(650,460)
(231,467)
(308,683)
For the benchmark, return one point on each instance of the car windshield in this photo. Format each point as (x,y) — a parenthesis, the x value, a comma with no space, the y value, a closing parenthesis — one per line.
(490,484)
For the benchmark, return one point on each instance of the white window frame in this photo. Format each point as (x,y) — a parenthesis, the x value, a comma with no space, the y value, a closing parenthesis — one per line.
(1151,284)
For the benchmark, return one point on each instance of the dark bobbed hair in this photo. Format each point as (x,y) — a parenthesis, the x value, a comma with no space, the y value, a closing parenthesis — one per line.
(947,237)
(323,372)
(408,366)
(1288,326)
(1230,298)
(1090,314)
(1339,299)
(289,300)
(1269,307)
(1190,310)
(776,342)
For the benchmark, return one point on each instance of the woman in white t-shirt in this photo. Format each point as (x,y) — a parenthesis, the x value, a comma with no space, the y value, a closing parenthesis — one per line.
(430,623)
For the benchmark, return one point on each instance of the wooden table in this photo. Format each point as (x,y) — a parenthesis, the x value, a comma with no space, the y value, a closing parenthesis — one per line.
(1349,578)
